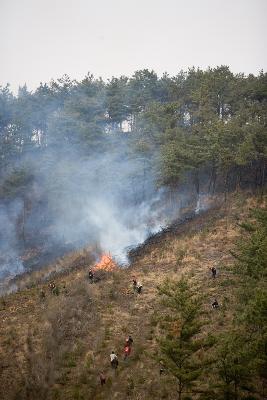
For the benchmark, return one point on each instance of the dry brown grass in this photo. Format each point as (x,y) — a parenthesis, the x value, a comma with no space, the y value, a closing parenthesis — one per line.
(54,347)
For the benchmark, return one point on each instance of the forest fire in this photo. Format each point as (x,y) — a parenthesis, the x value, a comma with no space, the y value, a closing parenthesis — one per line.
(105,264)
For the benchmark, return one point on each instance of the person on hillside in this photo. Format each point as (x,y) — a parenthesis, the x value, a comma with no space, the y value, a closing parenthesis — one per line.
(134,283)
(214,272)
(127,352)
(55,291)
(113,360)
(161,369)
(139,287)
(52,286)
(215,304)
(102,378)
(129,341)
(91,276)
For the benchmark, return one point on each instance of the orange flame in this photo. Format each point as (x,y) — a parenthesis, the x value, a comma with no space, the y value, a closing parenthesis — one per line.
(106,264)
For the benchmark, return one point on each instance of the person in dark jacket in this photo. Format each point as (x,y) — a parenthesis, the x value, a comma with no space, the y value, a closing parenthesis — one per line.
(139,287)
(214,272)
(215,304)
(91,275)
(129,341)
(134,283)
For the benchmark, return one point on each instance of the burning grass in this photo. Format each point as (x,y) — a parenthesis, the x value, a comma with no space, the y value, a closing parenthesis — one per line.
(106,263)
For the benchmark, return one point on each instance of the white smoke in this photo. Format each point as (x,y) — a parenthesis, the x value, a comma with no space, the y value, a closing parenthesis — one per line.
(10,262)
(107,198)
(104,199)
(120,229)
(203,200)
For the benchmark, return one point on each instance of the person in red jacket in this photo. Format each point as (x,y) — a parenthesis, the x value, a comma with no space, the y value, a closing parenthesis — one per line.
(127,351)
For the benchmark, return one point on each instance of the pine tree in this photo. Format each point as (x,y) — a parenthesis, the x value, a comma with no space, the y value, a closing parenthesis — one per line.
(178,344)
(242,355)
(251,251)
(234,365)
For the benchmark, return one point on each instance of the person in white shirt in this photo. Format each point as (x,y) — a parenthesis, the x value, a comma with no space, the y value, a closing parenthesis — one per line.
(113,360)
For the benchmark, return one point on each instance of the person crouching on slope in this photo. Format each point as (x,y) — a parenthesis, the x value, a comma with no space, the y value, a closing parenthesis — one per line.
(213,272)
(129,341)
(134,283)
(127,351)
(114,360)
(139,287)
(91,276)
(102,378)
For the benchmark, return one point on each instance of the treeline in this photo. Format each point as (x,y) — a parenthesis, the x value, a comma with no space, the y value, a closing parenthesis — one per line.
(210,122)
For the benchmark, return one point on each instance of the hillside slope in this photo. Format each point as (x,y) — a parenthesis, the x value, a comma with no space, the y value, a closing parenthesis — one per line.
(54,346)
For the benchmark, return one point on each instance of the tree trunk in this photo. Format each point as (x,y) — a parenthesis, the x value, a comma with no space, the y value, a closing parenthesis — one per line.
(213,178)
(227,395)
(238,179)
(263,169)
(23,222)
(180,390)
(196,182)
(235,391)
(214,182)
(226,185)
(144,181)
(256,181)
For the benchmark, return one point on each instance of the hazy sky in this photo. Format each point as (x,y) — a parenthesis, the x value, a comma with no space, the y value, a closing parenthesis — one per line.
(44,39)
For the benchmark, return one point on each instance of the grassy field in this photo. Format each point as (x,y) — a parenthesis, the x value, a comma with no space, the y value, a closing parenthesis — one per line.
(53,346)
